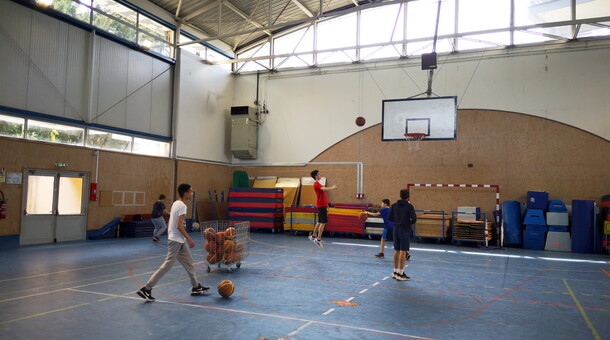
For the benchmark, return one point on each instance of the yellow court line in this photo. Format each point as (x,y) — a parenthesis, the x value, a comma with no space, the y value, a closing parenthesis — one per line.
(582,311)
(44,313)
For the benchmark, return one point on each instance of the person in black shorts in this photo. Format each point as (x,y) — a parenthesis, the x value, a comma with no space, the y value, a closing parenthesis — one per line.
(402,214)
(322,206)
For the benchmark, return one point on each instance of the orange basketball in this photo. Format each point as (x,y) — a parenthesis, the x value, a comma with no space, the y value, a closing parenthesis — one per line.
(210,234)
(238,256)
(230,233)
(210,246)
(238,246)
(211,258)
(226,288)
(220,237)
(228,257)
(362,216)
(228,246)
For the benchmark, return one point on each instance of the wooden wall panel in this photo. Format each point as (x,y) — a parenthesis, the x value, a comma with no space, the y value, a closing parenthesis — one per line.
(518,152)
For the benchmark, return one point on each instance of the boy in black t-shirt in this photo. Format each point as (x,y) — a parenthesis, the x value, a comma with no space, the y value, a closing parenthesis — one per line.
(403,216)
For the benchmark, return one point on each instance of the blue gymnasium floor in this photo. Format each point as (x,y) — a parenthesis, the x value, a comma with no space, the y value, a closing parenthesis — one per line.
(287,288)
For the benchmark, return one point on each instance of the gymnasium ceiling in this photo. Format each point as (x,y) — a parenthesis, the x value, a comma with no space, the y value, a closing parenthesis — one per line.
(239,23)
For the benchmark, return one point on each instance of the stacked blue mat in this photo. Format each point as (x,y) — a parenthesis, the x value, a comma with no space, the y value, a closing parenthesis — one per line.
(534,235)
(261,206)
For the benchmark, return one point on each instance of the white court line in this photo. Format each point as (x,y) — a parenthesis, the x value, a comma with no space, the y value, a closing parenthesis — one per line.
(356,244)
(350,299)
(332,324)
(486,254)
(374,284)
(77,269)
(385,278)
(328,311)
(363,291)
(293,333)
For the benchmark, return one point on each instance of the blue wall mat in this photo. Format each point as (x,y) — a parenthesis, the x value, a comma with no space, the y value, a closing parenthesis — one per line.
(583,222)
(99,233)
(511,215)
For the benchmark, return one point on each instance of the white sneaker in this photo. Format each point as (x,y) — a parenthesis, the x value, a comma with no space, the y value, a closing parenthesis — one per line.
(318,243)
(310,237)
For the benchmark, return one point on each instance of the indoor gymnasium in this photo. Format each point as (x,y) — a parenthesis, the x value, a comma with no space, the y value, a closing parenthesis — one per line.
(232,169)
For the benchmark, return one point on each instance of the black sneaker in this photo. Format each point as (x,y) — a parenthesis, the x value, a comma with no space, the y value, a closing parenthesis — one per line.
(155,239)
(395,275)
(146,294)
(199,290)
(380,255)
(403,277)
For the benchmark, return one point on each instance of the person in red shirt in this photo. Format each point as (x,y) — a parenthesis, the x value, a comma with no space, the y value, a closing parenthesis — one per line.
(322,206)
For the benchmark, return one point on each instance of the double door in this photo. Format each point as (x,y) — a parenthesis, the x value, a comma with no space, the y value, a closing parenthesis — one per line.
(55,206)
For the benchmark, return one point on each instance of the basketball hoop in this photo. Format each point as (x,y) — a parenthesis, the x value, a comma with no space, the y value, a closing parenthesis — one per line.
(414,139)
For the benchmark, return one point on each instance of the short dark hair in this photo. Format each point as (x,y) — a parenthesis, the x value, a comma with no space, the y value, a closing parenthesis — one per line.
(183,189)
(161,197)
(386,201)
(314,174)
(404,194)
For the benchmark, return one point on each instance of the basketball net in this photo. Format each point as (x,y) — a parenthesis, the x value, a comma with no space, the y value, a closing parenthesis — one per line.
(414,139)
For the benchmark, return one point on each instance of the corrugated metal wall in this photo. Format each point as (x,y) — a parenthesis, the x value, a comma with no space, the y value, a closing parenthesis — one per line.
(44,68)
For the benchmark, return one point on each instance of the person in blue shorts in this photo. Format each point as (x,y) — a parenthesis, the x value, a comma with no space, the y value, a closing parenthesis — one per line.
(402,214)
(388,226)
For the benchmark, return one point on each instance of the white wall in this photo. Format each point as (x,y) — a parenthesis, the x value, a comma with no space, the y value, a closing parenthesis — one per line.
(44,68)
(203,104)
(310,110)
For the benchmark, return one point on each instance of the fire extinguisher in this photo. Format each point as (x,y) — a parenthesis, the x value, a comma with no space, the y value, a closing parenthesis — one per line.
(2,206)
(93,192)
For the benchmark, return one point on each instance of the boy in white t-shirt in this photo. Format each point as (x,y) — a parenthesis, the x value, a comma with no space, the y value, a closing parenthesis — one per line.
(176,247)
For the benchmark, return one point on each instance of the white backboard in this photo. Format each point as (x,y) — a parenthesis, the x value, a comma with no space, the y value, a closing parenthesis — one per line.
(436,117)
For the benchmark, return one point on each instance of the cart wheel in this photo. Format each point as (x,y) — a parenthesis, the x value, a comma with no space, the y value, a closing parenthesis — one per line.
(238,264)
(209,269)
(370,237)
(295,233)
(229,269)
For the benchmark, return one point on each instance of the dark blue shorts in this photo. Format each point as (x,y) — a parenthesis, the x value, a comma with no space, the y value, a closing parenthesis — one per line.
(385,233)
(402,239)
(323,215)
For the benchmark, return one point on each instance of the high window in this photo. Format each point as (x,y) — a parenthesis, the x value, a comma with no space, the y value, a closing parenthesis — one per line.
(408,29)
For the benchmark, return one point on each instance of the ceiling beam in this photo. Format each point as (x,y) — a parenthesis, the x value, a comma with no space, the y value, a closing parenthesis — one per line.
(245,16)
(302,8)
(300,21)
(204,8)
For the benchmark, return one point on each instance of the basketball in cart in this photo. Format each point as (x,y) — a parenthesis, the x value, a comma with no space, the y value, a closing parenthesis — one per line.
(225,243)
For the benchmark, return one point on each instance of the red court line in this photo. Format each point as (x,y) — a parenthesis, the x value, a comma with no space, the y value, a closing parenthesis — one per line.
(605,272)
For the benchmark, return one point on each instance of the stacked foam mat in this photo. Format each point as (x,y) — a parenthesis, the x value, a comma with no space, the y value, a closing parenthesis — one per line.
(557,218)
(343,218)
(534,235)
(299,218)
(261,206)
